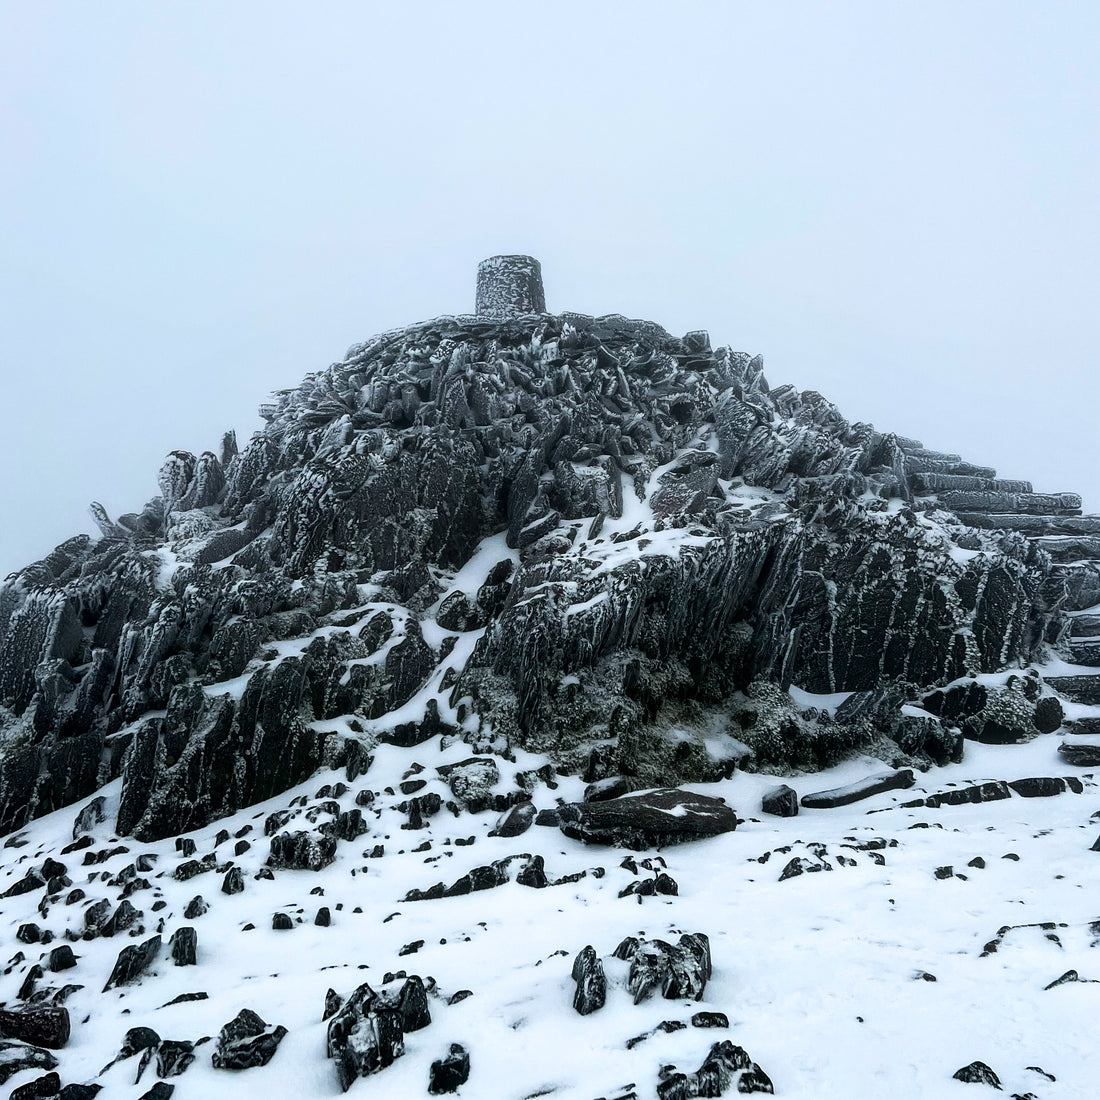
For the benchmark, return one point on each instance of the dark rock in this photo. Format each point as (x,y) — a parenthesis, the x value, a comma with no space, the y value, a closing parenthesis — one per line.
(280,922)
(160,1091)
(448,1073)
(800,865)
(61,958)
(79,1092)
(977,1073)
(993,791)
(364,1036)
(1043,787)
(47,1085)
(184,943)
(412,1002)
(123,918)
(1049,714)
(30,882)
(650,819)
(782,801)
(195,908)
(16,1057)
(233,883)
(323,918)
(1080,755)
(138,1039)
(36,1025)
(28,933)
(132,962)
(710,1019)
(246,1041)
(680,972)
(302,851)
(588,973)
(856,792)
(174,1057)
(515,821)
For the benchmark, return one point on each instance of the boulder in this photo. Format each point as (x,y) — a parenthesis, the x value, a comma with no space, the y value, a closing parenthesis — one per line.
(782,801)
(36,1025)
(647,819)
(246,1041)
(449,1072)
(133,961)
(591,981)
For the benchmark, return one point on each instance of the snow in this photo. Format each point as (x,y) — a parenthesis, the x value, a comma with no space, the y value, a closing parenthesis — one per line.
(815,973)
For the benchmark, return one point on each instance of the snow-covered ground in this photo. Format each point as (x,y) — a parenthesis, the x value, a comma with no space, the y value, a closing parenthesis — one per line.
(826,978)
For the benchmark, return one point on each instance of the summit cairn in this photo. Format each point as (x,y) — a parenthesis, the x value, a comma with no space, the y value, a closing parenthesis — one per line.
(509,286)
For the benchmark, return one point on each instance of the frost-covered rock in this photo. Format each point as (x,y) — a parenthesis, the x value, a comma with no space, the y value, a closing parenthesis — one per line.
(571,534)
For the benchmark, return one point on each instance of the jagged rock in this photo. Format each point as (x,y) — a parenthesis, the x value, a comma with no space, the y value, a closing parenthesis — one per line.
(472,781)
(448,1073)
(233,883)
(280,922)
(138,1039)
(977,1073)
(782,801)
(364,1036)
(133,961)
(61,958)
(174,1057)
(649,819)
(195,908)
(390,468)
(301,851)
(30,882)
(246,1041)
(679,972)
(16,1057)
(591,981)
(183,943)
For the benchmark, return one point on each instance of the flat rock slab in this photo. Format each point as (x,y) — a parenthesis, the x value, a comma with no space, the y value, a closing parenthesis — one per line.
(856,792)
(1082,755)
(647,819)
(1081,689)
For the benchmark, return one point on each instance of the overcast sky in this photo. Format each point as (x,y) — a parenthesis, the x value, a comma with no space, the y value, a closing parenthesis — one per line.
(896,203)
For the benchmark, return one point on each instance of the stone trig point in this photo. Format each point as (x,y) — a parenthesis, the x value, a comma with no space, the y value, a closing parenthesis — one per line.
(509,286)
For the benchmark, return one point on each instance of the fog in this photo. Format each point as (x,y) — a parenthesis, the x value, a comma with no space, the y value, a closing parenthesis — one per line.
(896,204)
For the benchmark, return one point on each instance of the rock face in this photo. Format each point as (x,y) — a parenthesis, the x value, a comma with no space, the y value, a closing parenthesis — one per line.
(562,532)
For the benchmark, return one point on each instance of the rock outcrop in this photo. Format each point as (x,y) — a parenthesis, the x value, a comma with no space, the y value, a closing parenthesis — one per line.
(565,532)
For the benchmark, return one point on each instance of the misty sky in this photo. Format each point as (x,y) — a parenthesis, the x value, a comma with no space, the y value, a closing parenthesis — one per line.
(896,203)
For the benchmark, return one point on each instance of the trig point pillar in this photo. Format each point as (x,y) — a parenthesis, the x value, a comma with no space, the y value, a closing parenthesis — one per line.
(508,286)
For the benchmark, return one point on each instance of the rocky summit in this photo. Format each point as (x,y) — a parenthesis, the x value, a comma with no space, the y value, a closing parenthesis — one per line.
(571,589)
